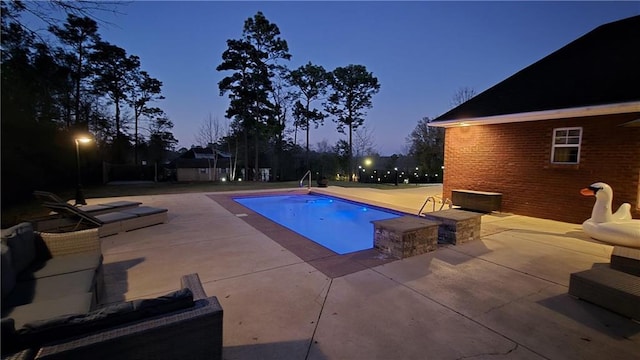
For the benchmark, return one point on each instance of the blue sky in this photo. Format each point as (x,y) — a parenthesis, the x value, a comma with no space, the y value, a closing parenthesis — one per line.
(421,52)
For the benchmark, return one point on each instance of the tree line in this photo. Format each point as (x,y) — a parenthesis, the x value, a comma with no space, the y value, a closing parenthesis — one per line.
(67,82)
(75,82)
(263,93)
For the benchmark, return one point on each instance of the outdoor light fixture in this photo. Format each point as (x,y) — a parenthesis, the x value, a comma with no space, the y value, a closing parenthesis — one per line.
(367,162)
(79,195)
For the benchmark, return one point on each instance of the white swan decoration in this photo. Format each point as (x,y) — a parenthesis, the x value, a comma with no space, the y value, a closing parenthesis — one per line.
(615,228)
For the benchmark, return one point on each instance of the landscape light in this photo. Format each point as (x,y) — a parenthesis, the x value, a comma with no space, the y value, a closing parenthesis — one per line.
(82,139)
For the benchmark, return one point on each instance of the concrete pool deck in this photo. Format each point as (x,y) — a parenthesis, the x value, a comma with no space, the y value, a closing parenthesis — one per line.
(504,296)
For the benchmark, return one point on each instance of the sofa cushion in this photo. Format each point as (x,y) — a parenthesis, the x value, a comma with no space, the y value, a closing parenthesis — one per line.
(47,309)
(8,274)
(20,239)
(62,265)
(51,287)
(110,316)
(145,210)
(17,317)
(81,323)
(177,300)
(115,216)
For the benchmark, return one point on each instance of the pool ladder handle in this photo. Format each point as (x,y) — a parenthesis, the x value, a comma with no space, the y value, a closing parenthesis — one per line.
(433,199)
(308,173)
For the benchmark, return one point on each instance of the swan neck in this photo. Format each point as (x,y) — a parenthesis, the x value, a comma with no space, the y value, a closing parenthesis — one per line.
(601,210)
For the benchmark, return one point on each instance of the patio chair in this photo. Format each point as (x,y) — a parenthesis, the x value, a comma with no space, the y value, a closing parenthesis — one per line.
(102,208)
(110,223)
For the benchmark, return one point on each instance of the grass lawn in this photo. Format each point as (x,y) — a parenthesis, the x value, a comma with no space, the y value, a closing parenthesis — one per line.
(31,208)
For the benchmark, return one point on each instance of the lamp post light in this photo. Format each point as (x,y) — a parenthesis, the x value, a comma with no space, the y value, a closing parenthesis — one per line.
(367,163)
(79,195)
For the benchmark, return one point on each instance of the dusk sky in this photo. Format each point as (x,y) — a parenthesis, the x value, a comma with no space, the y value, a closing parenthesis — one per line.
(421,52)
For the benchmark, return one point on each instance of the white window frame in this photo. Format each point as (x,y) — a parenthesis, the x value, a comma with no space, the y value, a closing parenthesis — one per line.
(554,146)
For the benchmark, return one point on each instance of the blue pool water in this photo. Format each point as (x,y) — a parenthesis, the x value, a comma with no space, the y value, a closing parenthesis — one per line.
(341,226)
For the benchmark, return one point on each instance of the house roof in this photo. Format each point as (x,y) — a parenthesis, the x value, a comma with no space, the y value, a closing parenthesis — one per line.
(199,157)
(203,153)
(596,71)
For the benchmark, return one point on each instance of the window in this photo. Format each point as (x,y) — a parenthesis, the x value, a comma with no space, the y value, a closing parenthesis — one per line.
(566,145)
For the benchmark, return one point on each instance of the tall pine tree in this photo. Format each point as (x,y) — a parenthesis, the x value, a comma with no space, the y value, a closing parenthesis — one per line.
(352,90)
(252,59)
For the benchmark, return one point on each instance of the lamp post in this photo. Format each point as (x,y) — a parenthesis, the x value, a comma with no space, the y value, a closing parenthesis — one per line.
(396,170)
(79,195)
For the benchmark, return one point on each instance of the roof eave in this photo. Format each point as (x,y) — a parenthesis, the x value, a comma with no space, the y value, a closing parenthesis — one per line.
(596,110)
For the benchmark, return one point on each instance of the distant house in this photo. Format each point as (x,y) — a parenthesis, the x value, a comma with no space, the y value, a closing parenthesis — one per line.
(558,125)
(197,164)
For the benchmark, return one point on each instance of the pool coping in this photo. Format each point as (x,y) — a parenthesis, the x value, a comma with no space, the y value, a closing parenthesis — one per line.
(328,262)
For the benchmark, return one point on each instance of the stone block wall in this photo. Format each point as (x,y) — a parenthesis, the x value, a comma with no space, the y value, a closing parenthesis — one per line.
(456,226)
(403,238)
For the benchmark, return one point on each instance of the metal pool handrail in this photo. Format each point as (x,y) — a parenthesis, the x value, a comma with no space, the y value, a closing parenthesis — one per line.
(425,204)
(308,173)
(433,199)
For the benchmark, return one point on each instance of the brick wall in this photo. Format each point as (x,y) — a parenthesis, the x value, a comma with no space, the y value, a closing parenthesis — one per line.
(515,160)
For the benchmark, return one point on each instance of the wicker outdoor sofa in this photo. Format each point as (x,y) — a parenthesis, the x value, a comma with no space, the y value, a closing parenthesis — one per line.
(186,324)
(52,285)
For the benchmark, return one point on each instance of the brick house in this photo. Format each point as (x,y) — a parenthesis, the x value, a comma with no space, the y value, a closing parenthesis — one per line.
(558,125)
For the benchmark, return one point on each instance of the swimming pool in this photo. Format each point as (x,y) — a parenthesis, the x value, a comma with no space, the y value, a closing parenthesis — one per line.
(341,226)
